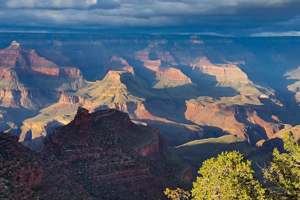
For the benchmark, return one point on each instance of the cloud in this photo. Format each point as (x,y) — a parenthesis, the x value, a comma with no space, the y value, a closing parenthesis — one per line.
(50,4)
(222,16)
(274,34)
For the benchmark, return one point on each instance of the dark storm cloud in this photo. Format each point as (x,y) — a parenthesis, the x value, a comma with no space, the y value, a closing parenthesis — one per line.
(189,15)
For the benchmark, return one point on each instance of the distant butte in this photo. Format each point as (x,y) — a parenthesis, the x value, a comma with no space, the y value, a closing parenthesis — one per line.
(14,46)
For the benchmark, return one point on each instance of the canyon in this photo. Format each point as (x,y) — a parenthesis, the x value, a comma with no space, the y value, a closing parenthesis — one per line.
(118,116)
(97,155)
(190,87)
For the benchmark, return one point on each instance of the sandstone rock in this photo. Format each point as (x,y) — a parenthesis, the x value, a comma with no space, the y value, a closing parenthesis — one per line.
(110,143)
(118,64)
(97,155)
(241,121)
(165,77)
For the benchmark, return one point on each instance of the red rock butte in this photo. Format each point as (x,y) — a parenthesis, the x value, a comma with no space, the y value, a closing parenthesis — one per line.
(99,155)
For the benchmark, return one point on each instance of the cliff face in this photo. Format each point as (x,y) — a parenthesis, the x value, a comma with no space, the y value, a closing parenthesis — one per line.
(21,70)
(98,155)
(118,64)
(109,143)
(31,82)
(149,77)
(165,76)
(241,121)
(223,71)
(149,144)
(14,56)
(25,174)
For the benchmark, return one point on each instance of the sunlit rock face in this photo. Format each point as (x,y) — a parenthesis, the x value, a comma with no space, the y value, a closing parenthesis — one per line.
(158,80)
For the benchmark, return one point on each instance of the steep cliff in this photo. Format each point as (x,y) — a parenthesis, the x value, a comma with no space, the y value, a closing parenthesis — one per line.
(109,144)
(118,64)
(237,119)
(102,155)
(31,82)
(152,78)
(28,80)
(225,79)
(165,76)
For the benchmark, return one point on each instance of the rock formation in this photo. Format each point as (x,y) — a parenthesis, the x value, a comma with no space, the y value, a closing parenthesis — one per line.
(20,69)
(25,174)
(239,120)
(165,76)
(118,64)
(157,80)
(98,155)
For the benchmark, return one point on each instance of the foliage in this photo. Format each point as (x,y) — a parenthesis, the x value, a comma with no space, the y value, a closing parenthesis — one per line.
(178,194)
(229,176)
(285,170)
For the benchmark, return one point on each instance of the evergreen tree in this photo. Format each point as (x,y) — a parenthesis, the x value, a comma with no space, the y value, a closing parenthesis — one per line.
(229,176)
(284,171)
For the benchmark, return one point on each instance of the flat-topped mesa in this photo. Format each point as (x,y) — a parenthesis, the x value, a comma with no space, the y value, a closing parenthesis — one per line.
(165,76)
(220,71)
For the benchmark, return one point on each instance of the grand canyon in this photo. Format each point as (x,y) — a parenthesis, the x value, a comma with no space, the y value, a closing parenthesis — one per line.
(118,116)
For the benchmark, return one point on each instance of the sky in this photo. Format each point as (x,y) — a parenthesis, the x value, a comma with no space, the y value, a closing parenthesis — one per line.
(215,17)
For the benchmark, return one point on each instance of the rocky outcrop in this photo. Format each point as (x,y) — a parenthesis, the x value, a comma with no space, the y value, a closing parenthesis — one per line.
(276,141)
(118,64)
(98,155)
(15,56)
(26,79)
(165,76)
(109,144)
(295,87)
(222,71)
(173,75)
(25,174)
(241,121)
(51,71)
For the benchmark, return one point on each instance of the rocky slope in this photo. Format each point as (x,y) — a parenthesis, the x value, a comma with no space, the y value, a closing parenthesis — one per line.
(27,175)
(234,113)
(28,80)
(31,82)
(120,90)
(163,81)
(165,76)
(98,155)
(239,120)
